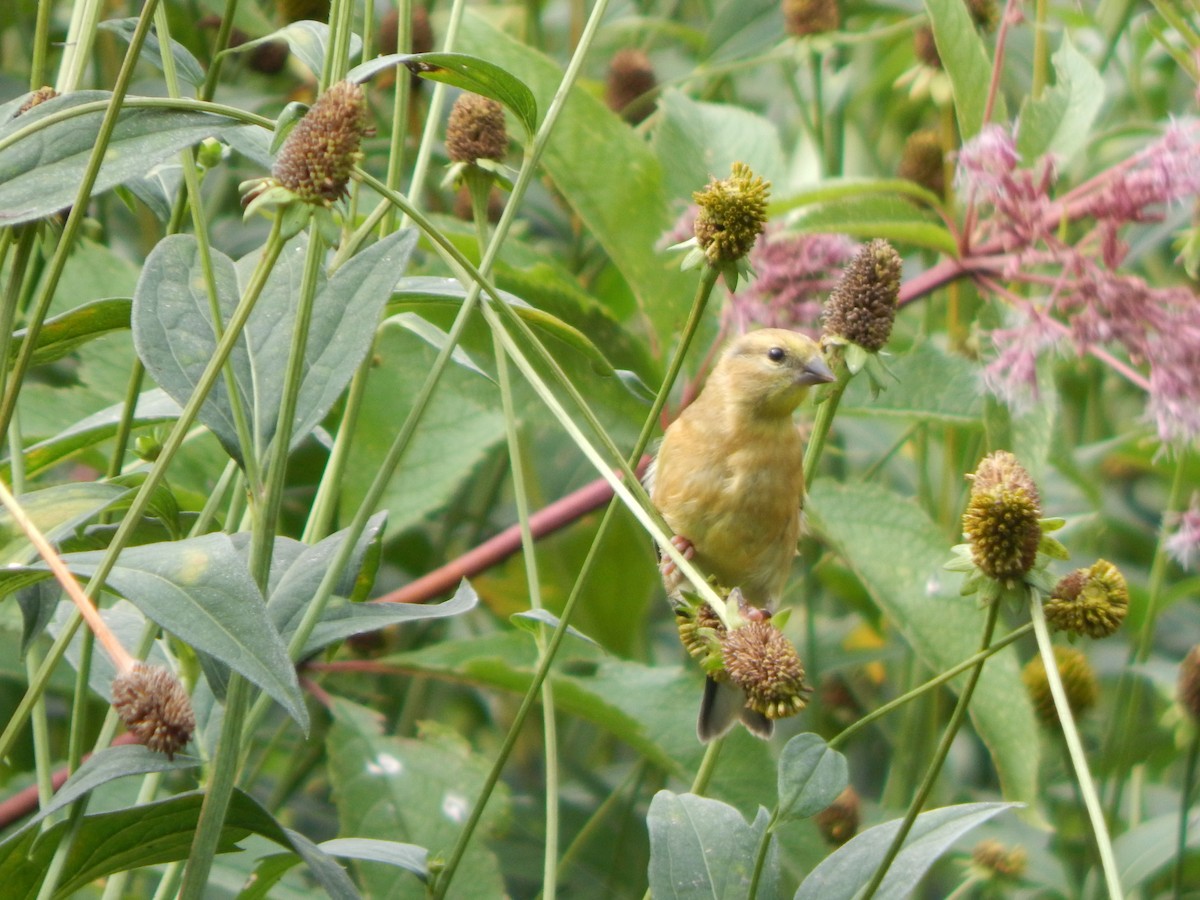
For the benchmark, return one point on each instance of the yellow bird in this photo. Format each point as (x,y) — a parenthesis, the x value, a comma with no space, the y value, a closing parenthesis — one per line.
(729,480)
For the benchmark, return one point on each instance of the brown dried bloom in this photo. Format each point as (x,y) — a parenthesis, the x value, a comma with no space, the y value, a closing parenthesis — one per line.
(862,306)
(269,58)
(839,821)
(984,13)
(1079,683)
(1090,601)
(804,17)
(923,161)
(316,159)
(1189,683)
(926,47)
(476,130)
(298,10)
(155,708)
(1001,523)
(630,75)
(38,97)
(733,213)
(995,861)
(762,661)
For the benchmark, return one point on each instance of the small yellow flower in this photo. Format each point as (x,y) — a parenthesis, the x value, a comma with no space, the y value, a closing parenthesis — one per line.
(1079,683)
(1002,520)
(1091,601)
(733,213)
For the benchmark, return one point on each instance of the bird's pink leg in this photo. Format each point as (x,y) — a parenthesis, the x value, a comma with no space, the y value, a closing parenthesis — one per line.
(686,549)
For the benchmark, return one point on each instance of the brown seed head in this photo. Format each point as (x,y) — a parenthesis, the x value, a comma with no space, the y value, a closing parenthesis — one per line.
(1002,519)
(317,157)
(155,708)
(733,213)
(37,98)
(862,306)
(923,161)
(926,48)
(270,57)
(762,661)
(995,861)
(803,17)
(1079,683)
(476,130)
(838,822)
(1189,683)
(630,75)
(297,10)
(1091,601)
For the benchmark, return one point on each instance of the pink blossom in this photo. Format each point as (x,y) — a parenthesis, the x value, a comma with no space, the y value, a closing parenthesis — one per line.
(1184,545)
(986,162)
(793,272)
(1012,375)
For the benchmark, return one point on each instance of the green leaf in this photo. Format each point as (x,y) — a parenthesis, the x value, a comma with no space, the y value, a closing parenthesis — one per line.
(307,39)
(831,189)
(393,853)
(878,216)
(57,512)
(931,385)
(702,848)
(1147,848)
(528,621)
(743,29)
(1060,121)
(41,168)
(899,554)
(200,590)
(849,868)
(966,61)
(174,335)
(153,408)
(460,426)
(627,210)
(414,791)
(702,140)
(186,65)
(469,73)
(811,776)
(60,335)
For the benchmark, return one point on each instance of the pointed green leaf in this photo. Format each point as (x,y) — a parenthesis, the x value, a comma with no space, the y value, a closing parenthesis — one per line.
(811,776)
(60,335)
(966,61)
(186,65)
(1060,121)
(309,40)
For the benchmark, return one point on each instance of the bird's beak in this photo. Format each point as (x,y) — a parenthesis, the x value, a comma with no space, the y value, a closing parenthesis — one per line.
(814,372)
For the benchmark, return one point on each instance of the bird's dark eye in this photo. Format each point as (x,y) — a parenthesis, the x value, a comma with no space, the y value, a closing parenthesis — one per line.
(776,354)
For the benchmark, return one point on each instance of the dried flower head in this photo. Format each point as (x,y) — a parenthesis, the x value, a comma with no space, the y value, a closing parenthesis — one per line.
(37,98)
(993,861)
(315,160)
(804,17)
(1078,679)
(794,274)
(925,47)
(839,821)
(1001,523)
(270,57)
(923,161)
(862,307)
(630,75)
(733,213)
(762,661)
(155,708)
(1189,683)
(476,130)
(1091,601)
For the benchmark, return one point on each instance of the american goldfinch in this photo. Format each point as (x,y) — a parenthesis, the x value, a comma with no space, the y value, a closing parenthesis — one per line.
(729,481)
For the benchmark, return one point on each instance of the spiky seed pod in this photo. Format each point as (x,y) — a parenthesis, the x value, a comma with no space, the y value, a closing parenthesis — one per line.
(923,161)
(298,10)
(700,632)
(1092,601)
(476,130)
(316,159)
(630,75)
(926,47)
(37,98)
(733,213)
(762,662)
(1189,683)
(1079,683)
(994,861)
(155,708)
(838,822)
(862,305)
(803,17)
(1001,523)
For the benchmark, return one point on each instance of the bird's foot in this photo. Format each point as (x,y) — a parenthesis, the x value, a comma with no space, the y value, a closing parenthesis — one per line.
(686,549)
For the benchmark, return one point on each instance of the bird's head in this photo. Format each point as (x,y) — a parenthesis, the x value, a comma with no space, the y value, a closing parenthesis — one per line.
(770,370)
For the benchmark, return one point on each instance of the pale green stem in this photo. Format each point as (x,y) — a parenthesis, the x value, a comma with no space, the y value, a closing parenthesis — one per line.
(41,44)
(1185,804)
(58,863)
(41,736)
(939,758)
(400,103)
(8,306)
(118,883)
(77,49)
(708,765)
(1083,776)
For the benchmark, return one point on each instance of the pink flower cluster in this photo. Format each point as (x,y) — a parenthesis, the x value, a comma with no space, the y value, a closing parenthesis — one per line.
(1184,544)
(1079,295)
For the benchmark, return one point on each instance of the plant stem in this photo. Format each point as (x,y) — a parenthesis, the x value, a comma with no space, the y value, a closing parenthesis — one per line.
(939,757)
(708,765)
(1185,802)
